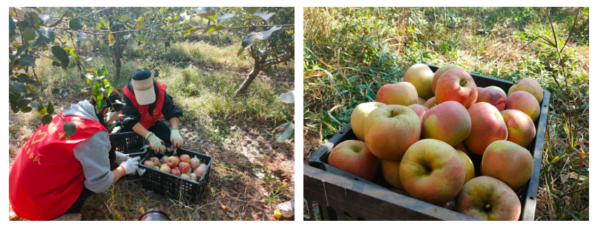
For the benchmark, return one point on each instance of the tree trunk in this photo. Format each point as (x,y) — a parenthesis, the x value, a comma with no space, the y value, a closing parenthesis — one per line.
(248,80)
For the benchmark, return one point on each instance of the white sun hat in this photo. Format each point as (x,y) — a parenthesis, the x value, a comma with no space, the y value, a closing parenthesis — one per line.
(143,87)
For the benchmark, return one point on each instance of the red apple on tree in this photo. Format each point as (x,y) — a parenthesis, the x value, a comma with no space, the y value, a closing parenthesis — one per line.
(354,157)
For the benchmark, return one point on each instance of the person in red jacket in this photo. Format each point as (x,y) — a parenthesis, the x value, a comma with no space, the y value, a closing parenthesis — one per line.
(146,105)
(53,174)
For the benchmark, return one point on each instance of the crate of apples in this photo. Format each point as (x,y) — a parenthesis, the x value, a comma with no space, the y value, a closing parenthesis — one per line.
(182,166)
(442,139)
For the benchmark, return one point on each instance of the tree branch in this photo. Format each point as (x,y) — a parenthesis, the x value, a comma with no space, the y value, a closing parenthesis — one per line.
(106,33)
(261,26)
(277,61)
(570,32)
(61,18)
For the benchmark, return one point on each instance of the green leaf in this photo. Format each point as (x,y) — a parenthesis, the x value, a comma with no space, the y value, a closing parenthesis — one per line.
(60,54)
(214,28)
(247,42)
(50,108)
(16,87)
(69,128)
(251,10)
(13,99)
(209,15)
(37,105)
(26,79)
(23,103)
(28,35)
(240,51)
(46,119)
(101,71)
(126,17)
(45,36)
(75,24)
(11,26)
(26,60)
(287,97)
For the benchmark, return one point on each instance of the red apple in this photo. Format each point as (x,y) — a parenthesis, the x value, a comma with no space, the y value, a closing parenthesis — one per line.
(185,158)
(176,172)
(491,96)
(530,85)
(525,102)
(432,171)
(420,75)
(390,130)
(521,129)
(184,167)
(199,171)
(419,110)
(508,162)
(149,163)
(358,116)
(487,126)
(448,121)
(165,168)
(439,72)
(401,93)
(488,198)
(430,103)
(456,85)
(354,157)
(186,176)
(155,160)
(195,162)
(173,161)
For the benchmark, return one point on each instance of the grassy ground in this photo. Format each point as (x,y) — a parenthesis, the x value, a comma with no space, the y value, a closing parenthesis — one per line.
(201,77)
(350,52)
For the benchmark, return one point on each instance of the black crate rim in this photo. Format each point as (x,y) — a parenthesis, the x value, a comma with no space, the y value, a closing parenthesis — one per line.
(318,159)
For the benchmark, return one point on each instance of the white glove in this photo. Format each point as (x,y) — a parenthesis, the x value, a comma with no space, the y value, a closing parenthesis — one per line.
(156,143)
(176,139)
(131,165)
(121,157)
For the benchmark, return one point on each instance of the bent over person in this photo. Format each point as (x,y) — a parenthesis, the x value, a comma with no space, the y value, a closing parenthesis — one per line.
(53,175)
(146,104)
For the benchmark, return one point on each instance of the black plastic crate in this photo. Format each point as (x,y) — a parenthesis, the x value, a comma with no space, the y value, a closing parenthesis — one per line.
(354,188)
(173,186)
(128,143)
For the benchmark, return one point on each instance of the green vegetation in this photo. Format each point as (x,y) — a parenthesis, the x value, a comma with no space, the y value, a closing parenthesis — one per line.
(350,52)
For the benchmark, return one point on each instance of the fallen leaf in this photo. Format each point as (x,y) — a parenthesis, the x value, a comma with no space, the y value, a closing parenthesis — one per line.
(259,213)
(223,193)
(141,210)
(223,207)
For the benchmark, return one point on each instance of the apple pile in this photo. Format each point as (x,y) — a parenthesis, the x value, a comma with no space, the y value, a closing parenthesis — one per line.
(421,131)
(182,166)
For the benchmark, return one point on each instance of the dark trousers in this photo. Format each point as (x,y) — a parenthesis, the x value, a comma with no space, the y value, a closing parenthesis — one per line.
(161,129)
(76,207)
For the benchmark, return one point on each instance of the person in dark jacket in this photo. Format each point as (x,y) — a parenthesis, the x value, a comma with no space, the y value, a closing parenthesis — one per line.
(146,104)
